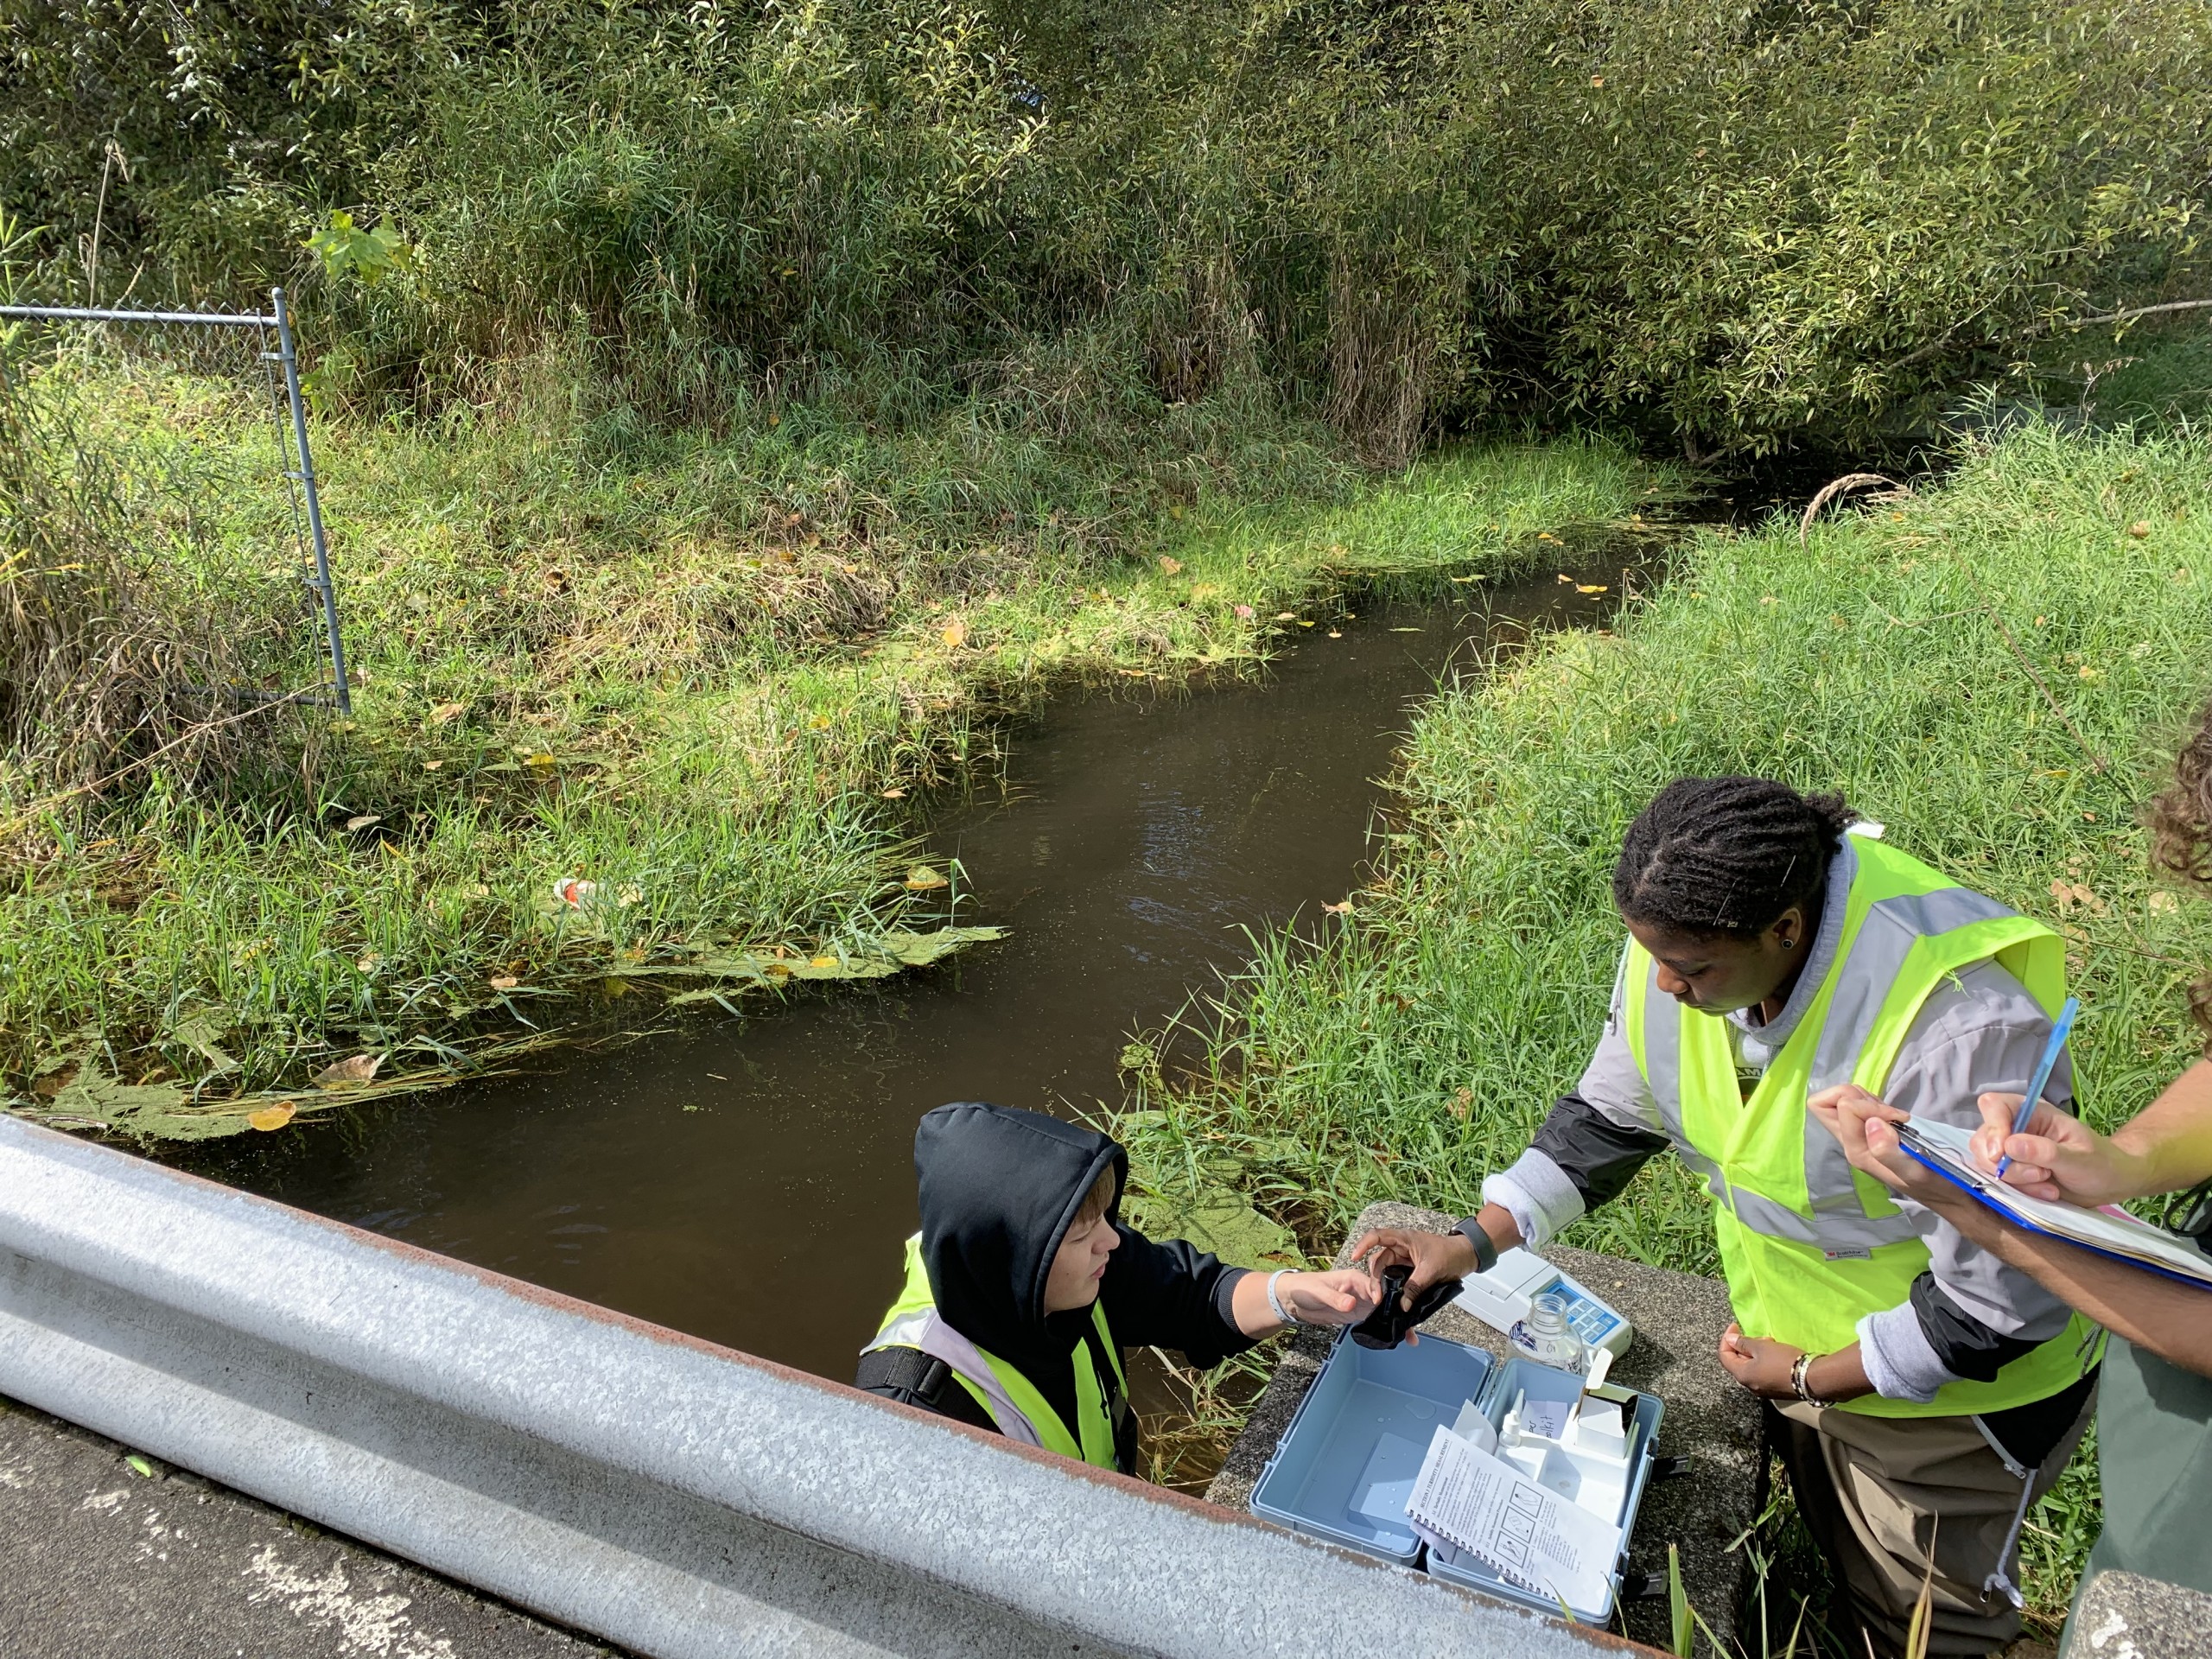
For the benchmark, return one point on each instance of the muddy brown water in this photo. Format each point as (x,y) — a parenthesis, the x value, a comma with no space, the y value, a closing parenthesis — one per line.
(749,1179)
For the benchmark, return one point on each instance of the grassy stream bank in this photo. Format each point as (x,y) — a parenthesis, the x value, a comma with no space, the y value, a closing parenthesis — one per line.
(1996,668)
(696,675)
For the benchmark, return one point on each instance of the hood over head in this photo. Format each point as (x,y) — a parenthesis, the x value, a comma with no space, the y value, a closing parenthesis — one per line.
(999,1187)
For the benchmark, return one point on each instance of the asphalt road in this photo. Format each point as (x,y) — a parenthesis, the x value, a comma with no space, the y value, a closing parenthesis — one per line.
(96,1558)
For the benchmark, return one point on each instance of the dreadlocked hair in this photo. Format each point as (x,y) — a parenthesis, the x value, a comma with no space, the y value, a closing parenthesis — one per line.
(1714,855)
(2181,839)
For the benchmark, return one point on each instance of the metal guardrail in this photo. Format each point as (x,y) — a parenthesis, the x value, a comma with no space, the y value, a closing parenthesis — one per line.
(675,1497)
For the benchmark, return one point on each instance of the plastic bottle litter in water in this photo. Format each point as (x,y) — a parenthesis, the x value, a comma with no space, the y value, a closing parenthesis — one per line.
(1547,1338)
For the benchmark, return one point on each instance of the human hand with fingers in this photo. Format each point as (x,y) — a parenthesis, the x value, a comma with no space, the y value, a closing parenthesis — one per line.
(1263,1301)
(2055,1156)
(1866,1126)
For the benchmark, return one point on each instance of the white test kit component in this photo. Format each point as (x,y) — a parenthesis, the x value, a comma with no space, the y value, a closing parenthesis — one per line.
(1500,1299)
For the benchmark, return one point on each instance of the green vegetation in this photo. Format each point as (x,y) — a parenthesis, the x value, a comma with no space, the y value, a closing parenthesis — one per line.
(1996,668)
(1738,226)
(699,682)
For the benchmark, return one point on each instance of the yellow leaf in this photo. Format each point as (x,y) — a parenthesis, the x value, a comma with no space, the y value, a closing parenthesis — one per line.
(819,723)
(1172,566)
(359,1068)
(923,879)
(825,961)
(1344,909)
(1589,587)
(272,1117)
(446,711)
(954,636)
(541,759)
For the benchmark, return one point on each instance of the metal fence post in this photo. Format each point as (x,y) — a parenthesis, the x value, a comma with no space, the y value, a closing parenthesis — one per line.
(305,475)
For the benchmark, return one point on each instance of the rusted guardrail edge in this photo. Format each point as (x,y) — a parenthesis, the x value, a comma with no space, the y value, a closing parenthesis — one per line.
(256,1296)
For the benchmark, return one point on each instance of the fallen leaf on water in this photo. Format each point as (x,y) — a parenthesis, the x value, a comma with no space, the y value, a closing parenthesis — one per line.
(922,878)
(1172,566)
(359,1068)
(504,981)
(1589,587)
(272,1117)
(956,636)
(363,820)
(1344,909)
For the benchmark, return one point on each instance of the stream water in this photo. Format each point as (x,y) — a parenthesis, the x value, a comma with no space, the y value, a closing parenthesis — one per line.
(749,1180)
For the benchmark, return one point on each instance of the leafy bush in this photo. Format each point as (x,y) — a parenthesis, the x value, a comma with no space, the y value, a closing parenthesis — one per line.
(1741,223)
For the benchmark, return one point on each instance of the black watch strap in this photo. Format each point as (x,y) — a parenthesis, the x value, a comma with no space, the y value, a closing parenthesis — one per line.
(1486,1252)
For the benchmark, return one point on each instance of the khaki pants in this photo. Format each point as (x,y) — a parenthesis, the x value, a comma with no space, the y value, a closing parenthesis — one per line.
(1884,1496)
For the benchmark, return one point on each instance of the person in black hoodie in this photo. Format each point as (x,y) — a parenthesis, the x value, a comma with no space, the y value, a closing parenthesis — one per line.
(1023,1284)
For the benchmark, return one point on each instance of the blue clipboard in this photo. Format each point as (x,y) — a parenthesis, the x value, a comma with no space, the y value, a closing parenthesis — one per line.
(2018,1220)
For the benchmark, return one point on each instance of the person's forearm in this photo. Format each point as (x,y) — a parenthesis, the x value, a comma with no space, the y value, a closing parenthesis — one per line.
(1839,1376)
(2169,1320)
(2170,1140)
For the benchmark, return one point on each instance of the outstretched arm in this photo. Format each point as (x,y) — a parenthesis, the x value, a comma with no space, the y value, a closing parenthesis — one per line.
(2167,1318)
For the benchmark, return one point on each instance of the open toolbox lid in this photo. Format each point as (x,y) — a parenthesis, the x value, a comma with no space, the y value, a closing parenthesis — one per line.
(1346,1465)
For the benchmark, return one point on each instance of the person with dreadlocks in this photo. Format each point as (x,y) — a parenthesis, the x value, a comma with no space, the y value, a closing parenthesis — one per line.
(1923,1393)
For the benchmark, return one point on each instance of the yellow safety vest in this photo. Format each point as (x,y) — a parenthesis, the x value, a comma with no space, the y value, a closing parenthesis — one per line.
(1810,1245)
(1021,1413)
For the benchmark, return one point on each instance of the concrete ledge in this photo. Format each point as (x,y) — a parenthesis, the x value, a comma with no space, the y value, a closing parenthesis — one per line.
(153,1562)
(1678,1318)
(2126,1616)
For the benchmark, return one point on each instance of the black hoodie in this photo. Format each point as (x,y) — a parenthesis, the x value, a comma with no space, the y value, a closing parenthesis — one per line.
(998,1188)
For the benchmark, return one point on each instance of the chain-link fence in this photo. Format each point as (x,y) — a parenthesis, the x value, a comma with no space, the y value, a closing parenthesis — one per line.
(165,583)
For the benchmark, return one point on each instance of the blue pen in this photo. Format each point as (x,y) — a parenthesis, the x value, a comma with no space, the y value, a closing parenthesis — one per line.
(2065,1023)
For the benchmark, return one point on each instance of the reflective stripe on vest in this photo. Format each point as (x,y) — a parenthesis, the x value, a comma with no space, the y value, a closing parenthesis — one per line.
(1809,1244)
(1020,1411)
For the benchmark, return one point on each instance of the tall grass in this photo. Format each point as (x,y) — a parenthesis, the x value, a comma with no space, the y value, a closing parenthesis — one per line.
(1997,669)
(1738,226)
(699,672)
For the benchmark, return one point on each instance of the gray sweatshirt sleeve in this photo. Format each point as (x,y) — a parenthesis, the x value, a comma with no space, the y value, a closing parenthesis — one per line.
(1981,1033)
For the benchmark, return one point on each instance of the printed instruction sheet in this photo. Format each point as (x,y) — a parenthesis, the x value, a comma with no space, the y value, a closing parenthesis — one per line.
(1478,1502)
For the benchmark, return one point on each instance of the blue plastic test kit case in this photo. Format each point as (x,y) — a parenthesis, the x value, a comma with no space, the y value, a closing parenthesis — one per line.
(1346,1465)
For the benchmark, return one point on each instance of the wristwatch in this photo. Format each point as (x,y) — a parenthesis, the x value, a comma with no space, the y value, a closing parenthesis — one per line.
(1486,1252)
